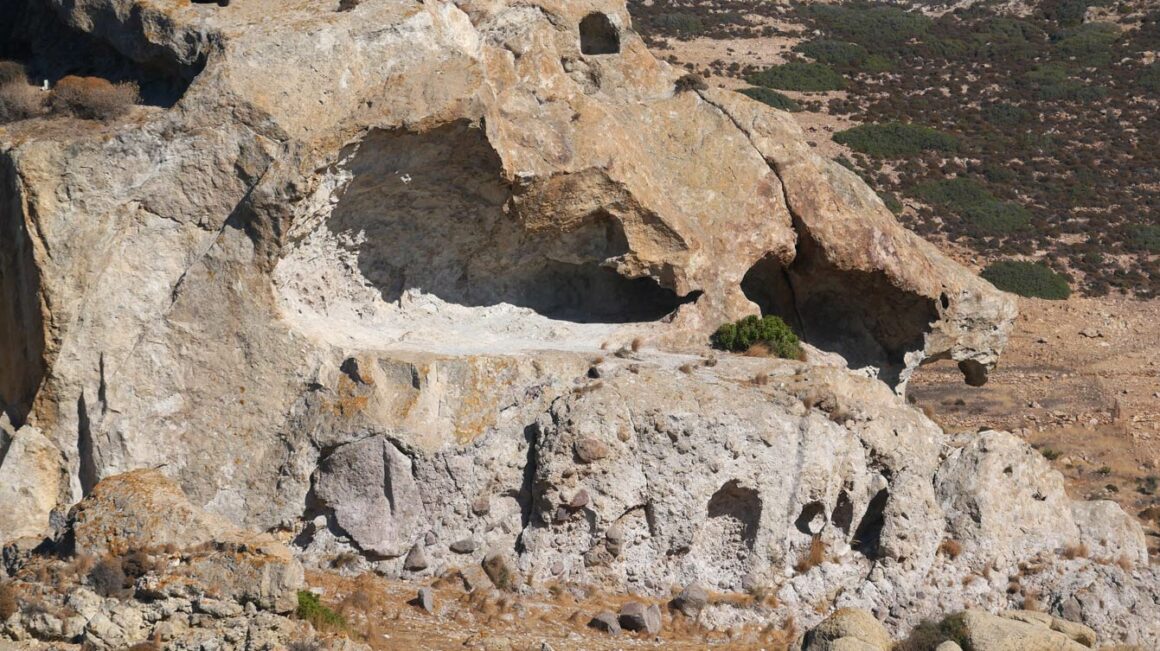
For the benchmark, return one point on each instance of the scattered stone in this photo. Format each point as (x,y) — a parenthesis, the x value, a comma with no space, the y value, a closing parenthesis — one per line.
(606,622)
(949,645)
(579,500)
(426,600)
(481,506)
(691,600)
(635,616)
(464,546)
(430,538)
(589,450)
(416,559)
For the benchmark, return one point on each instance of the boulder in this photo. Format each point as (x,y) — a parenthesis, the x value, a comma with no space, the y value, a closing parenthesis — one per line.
(691,600)
(635,616)
(34,478)
(983,631)
(848,629)
(606,622)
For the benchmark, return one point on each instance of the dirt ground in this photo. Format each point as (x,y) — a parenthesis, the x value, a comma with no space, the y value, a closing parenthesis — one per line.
(385,615)
(1080,380)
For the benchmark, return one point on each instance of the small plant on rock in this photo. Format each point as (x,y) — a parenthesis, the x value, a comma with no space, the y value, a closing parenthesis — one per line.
(312,610)
(769,331)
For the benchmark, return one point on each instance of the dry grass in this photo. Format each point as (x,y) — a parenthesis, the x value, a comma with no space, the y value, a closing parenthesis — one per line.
(760,380)
(8,603)
(1076,551)
(636,344)
(814,556)
(93,98)
(686,368)
(1124,563)
(19,101)
(950,548)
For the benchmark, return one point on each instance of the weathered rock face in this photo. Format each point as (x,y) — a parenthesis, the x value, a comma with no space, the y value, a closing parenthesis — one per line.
(352,284)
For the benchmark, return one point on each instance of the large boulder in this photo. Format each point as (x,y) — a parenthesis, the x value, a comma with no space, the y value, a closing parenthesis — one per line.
(848,628)
(34,480)
(983,631)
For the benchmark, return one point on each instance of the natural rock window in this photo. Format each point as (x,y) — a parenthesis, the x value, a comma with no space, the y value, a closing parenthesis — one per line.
(598,35)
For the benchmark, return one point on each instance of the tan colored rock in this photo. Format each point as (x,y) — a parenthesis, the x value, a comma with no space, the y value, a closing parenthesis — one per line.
(34,480)
(986,632)
(1078,632)
(848,629)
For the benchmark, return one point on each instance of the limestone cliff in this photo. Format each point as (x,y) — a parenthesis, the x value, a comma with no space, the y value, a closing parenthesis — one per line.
(349,279)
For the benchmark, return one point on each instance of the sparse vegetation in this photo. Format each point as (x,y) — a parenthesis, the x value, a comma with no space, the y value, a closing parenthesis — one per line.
(312,610)
(813,557)
(1078,550)
(1031,279)
(982,211)
(8,603)
(950,548)
(769,330)
(107,578)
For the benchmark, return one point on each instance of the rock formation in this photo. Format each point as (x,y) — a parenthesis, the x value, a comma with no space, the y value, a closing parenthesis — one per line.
(352,276)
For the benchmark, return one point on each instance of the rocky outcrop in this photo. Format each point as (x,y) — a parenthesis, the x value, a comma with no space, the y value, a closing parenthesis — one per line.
(138,562)
(439,277)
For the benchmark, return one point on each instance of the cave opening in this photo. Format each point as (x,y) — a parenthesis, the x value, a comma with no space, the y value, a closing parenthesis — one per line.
(857,314)
(34,36)
(598,35)
(430,212)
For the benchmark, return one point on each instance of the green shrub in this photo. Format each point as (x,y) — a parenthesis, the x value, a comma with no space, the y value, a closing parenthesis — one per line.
(982,211)
(1001,114)
(838,53)
(1090,44)
(772,98)
(1052,81)
(1030,279)
(1149,79)
(1145,236)
(311,609)
(892,202)
(768,330)
(800,76)
(870,25)
(895,139)
(681,24)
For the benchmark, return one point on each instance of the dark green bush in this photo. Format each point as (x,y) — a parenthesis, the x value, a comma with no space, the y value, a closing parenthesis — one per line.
(892,202)
(768,330)
(1032,279)
(1149,79)
(869,25)
(797,75)
(895,139)
(680,24)
(1090,44)
(772,98)
(838,53)
(1001,114)
(311,609)
(987,214)
(1145,236)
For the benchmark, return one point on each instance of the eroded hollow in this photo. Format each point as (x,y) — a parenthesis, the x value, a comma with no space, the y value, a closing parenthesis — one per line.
(868,535)
(859,315)
(34,35)
(598,35)
(726,541)
(22,343)
(428,211)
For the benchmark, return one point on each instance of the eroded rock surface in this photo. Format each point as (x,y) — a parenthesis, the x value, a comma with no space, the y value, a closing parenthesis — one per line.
(442,273)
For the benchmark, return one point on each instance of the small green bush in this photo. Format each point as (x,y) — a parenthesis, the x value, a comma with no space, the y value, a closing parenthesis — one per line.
(1145,236)
(800,76)
(1090,44)
(1052,81)
(681,24)
(312,610)
(1149,79)
(892,202)
(895,139)
(1031,279)
(772,98)
(983,212)
(769,330)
